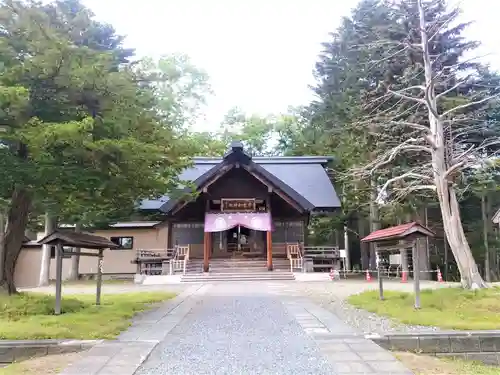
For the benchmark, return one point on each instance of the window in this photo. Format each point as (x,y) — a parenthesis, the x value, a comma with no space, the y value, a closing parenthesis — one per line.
(125,243)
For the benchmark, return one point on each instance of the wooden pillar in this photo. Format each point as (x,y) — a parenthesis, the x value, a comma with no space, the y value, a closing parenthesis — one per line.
(59,266)
(269,236)
(170,237)
(99,277)
(416,275)
(206,251)
(269,250)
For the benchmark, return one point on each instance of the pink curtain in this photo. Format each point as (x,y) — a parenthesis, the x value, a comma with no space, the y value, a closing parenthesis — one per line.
(224,221)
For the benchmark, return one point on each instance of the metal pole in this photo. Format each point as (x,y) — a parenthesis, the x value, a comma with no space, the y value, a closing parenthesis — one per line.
(59,265)
(99,278)
(416,275)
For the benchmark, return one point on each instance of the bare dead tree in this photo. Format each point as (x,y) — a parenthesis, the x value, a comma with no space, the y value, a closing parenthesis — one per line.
(441,142)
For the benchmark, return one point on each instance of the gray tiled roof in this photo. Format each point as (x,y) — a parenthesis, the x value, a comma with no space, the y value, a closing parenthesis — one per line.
(305,174)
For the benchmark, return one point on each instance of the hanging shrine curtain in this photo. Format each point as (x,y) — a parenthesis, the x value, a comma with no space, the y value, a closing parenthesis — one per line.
(220,222)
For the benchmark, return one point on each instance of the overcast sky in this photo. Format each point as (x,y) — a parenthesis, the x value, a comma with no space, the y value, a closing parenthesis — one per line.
(259,53)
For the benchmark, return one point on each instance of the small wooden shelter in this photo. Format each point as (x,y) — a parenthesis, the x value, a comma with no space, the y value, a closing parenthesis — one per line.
(62,239)
(400,237)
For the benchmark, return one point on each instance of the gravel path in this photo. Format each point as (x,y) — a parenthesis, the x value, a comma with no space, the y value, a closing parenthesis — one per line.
(244,332)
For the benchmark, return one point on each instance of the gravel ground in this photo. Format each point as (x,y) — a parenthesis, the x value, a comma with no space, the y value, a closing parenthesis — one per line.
(237,333)
(332,296)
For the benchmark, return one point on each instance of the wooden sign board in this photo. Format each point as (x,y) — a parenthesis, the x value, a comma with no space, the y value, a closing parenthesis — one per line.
(237,205)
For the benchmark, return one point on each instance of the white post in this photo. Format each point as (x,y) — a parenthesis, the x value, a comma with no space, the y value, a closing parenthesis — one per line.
(50,226)
(346,247)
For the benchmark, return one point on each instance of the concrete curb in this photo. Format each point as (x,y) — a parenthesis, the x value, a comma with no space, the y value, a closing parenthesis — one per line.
(481,346)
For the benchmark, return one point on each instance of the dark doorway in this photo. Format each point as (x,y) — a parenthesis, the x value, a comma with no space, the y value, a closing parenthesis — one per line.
(238,239)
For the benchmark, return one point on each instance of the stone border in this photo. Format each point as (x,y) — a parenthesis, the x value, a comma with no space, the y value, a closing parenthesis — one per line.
(19,350)
(481,346)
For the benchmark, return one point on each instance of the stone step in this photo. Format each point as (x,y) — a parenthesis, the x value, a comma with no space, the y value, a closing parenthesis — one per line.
(212,277)
(246,266)
(239,271)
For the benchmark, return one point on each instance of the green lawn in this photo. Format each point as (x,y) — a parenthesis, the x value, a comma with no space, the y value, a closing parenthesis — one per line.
(31,315)
(451,308)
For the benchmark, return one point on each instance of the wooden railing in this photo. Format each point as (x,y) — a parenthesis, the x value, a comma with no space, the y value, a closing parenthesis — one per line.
(180,259)
(324,252)
(150,262)
(294,254)
(162,261)
(325,257)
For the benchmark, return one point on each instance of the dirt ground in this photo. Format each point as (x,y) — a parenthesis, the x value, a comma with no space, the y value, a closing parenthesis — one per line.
(427,365)
(49,365)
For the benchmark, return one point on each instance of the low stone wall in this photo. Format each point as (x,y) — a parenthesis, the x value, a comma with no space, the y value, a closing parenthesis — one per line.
(19,350)
(481,346)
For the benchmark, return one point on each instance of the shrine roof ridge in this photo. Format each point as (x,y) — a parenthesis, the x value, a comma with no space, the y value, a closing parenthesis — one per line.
(309,159)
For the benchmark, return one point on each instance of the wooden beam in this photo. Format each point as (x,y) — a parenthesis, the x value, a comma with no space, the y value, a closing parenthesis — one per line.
(269,250)
(170,237)
(59,266)
(269,237)
(206,252)
(99,278)
(402,246)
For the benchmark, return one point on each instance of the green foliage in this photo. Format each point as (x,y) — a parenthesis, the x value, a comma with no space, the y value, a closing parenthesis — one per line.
(180,87)
(81,132)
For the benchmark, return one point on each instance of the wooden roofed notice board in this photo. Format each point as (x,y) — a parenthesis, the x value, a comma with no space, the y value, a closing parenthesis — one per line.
(61,239)
(397,238)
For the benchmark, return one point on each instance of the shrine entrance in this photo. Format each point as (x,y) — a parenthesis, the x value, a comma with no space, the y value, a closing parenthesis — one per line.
(238,235)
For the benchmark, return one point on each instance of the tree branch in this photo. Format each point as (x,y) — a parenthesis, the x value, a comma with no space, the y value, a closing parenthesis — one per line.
(467,105)
(402,177)
(412,98)
(391,155)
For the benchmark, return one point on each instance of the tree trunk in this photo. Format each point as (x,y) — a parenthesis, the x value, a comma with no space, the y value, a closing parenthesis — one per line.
(447,197)
(17,220)
(363,247)
(74,273)
(484,216)
(50,226)
(469,274)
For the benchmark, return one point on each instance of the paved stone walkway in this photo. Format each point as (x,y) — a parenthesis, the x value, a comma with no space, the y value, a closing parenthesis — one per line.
(241,328)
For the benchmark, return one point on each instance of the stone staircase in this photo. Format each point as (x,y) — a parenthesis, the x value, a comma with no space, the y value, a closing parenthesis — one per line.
(237,270)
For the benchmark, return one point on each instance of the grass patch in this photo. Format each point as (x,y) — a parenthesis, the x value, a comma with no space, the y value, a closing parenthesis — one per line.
(451,308)
(427,365)
(31,315)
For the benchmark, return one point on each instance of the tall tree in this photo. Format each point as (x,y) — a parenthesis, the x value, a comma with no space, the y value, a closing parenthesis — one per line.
(432,139)
(368,76)
(80,131)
